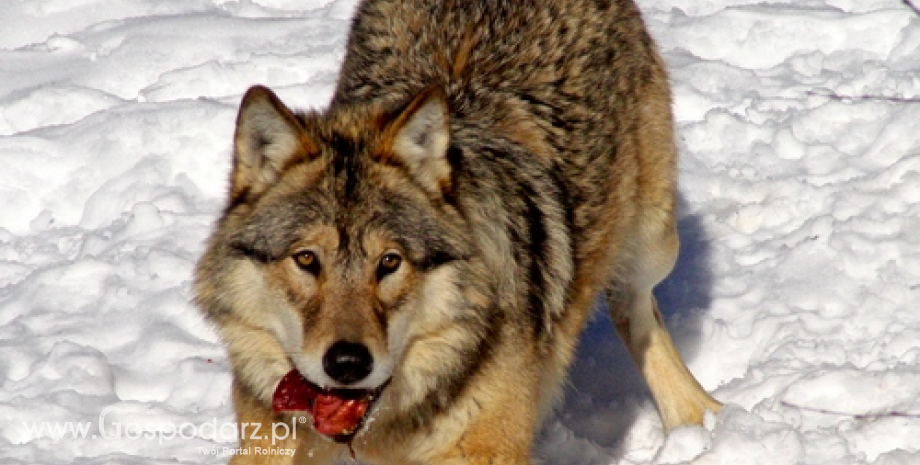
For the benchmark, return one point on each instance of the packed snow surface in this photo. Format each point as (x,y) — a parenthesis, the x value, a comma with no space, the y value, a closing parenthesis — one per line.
(796,300)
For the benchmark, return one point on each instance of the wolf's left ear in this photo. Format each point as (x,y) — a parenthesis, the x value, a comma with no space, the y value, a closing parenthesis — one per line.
(268,137)
(418,139)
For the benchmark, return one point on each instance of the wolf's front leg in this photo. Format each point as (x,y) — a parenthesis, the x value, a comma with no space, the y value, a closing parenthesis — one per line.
(500,419)
(490,443)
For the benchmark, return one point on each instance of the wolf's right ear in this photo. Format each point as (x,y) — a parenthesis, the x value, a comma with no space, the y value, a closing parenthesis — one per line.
(268,137)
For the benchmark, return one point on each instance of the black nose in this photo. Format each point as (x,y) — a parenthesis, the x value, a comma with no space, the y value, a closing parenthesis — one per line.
(348,362)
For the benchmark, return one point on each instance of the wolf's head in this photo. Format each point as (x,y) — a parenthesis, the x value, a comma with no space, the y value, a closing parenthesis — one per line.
(339,245)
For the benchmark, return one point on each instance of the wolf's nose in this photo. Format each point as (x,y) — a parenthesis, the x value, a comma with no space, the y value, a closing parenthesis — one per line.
(348,362)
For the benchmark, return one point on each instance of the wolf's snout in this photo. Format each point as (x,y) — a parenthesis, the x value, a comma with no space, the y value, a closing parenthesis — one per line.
(348,362)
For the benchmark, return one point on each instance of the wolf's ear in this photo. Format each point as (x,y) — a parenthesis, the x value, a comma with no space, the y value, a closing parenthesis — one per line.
(268,137)
(418,139)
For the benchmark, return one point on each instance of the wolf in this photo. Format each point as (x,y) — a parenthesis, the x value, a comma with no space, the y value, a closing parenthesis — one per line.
(422,254)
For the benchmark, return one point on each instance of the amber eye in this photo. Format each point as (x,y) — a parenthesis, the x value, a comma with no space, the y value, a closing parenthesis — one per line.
(388,264)
(307,261)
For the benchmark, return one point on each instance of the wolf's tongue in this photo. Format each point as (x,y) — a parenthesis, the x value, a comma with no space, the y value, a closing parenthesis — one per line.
(333,415)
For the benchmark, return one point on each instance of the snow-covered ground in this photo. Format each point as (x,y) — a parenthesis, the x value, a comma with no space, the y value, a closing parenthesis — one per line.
(796,300)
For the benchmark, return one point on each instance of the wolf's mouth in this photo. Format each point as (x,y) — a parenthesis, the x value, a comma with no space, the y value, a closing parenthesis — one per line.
(337,413)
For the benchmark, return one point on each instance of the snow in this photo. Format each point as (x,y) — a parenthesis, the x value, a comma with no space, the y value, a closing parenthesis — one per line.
(795,300)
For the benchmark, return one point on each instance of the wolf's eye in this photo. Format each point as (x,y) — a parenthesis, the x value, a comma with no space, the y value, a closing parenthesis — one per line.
(307,261)
(388,264)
